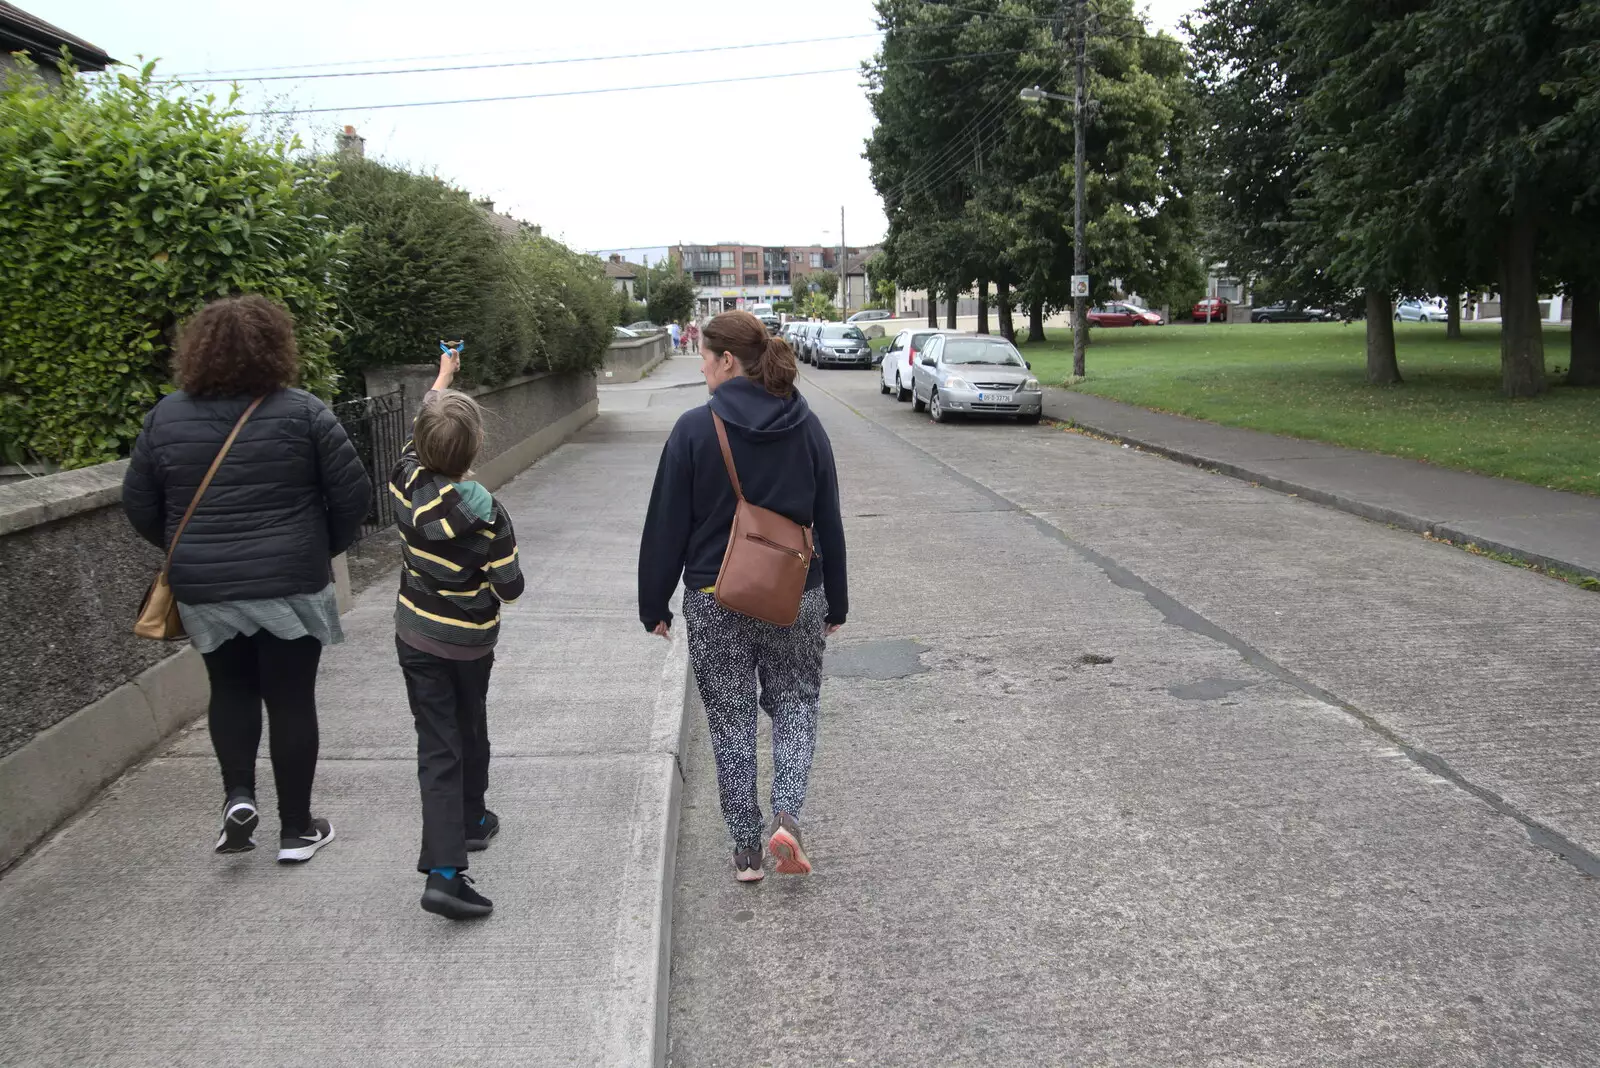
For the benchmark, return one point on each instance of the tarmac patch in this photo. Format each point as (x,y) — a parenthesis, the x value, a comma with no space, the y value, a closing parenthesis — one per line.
(893,659)
(1207,689)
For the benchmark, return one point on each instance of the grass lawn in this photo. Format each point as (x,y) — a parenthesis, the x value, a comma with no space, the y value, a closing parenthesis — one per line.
(1307,381)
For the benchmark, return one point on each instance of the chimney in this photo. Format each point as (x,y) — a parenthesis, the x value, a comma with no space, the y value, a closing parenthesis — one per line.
(352,144)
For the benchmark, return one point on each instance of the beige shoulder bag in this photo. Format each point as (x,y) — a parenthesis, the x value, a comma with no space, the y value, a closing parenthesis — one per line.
(158,615)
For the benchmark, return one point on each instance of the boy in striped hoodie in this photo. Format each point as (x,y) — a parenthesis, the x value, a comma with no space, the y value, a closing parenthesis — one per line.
(459,558)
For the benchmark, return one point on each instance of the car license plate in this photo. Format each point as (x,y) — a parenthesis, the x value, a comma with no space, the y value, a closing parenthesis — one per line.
(994,398)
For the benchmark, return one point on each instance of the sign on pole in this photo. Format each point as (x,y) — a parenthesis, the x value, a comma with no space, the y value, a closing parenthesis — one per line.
(1080,285)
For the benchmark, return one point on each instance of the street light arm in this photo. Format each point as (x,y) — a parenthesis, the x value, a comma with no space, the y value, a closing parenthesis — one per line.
(1036,93)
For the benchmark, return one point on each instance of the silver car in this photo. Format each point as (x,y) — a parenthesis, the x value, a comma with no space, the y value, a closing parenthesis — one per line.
(1421,311)
(958,375)
(842,345)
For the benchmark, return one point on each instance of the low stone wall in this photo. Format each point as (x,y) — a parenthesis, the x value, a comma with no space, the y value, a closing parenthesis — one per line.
(81,698)
(631,358)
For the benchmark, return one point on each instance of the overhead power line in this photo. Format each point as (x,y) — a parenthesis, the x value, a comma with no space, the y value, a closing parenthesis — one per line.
(952,156)
(623,88)
(527,62)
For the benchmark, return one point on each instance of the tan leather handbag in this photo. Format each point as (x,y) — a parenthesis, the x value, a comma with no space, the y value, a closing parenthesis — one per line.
(764,569)
(158,615)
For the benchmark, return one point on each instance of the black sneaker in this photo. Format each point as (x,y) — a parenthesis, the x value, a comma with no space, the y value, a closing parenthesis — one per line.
(478,836)
(299,848)
(454,898)
(239,820)
(747,865)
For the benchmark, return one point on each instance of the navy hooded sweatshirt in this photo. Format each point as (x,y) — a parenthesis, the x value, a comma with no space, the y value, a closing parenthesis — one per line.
(785,463)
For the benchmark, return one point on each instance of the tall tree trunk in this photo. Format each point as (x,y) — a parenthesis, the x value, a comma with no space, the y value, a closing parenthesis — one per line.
(1382,367)
(1452,320)
(1521,336)
(933,306)
(1585,367)
(953,295)
(983,305)
(1036,319)
(1002,297)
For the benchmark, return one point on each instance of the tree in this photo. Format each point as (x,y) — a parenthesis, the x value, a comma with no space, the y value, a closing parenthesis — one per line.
(672,298)
(823,282)
(979,187)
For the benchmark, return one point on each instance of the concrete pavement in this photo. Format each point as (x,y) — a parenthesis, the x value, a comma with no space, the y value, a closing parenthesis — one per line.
(127,942)
(1187,773)
(1542,526)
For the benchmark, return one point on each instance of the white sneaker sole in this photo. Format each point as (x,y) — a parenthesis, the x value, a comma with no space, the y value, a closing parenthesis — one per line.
(238,829)
(301,854)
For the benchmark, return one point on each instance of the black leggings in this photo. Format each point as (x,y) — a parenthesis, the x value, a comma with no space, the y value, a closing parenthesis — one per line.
(245,671)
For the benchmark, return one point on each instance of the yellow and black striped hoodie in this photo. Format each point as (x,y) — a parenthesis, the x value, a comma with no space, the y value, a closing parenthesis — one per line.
(459,567)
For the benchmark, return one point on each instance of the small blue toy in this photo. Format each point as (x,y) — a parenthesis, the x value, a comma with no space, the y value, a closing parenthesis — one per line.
(458,345)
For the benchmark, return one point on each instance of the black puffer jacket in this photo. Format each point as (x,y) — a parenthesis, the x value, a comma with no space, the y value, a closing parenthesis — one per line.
(289,497)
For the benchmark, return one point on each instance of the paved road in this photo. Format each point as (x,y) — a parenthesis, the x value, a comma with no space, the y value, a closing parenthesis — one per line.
(1187,772)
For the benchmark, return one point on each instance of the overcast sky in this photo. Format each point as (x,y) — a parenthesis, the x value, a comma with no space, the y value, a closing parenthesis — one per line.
(764,162)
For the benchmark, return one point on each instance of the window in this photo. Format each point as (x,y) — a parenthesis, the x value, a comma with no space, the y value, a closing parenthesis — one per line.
(749,259)
(751,278)
(816,259)
(730,280)
(725,259)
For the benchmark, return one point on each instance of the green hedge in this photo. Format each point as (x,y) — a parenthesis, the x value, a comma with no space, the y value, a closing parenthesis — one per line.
(122,210)
(127,205)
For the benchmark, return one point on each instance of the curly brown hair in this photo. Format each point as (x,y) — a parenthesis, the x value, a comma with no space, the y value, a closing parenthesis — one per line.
(237,346)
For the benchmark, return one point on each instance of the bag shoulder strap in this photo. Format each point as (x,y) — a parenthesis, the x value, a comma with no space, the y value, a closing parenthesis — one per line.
(727,455)
(206,482)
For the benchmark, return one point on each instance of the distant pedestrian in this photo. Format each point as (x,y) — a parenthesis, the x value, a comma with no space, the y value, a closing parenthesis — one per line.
(677,335)
(460,565)
(251,573)
(784,462)
(692,336)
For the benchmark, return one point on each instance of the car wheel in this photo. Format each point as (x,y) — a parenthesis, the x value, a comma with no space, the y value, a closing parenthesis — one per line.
(883,387)
(916,402)
(936,410)
(901,393)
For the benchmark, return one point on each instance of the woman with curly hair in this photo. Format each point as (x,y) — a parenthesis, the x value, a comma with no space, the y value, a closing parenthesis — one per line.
(252,573)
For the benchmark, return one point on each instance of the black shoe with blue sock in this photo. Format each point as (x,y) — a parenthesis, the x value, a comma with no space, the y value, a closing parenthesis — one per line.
(478,836)
(449,893)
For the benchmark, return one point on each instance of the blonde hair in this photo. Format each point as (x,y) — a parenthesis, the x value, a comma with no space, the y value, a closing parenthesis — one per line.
(449,433)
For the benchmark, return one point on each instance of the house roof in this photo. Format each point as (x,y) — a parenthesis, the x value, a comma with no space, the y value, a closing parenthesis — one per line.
(22,32)
(505,223)
(621,270)
(857,264)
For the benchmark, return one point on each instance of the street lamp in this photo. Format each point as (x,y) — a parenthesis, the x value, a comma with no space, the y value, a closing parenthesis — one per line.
(1080,255)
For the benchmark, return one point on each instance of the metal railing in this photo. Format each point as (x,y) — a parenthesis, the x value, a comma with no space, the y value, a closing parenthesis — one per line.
(377,428)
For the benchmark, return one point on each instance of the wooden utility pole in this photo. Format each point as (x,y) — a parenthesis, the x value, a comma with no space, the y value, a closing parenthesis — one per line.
(844,270)
(1080,254)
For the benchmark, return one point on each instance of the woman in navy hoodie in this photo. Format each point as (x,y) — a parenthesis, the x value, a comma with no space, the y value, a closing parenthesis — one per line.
(785,463)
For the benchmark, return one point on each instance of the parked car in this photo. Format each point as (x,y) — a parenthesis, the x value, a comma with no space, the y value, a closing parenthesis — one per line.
(643,326)
(1289,312)
(1420,311)
(771,322)
(966,375)
(900,361)
(805,336)
(870,315)
(622,331)
(842,345)
(1123,315)
(790,333)
(1209,308)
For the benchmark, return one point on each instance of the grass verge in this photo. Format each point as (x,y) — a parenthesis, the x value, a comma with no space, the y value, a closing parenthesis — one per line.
(1307,381)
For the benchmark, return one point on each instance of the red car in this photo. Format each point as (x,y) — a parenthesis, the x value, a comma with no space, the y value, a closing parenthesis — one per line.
(1211,308)
(1122,315)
